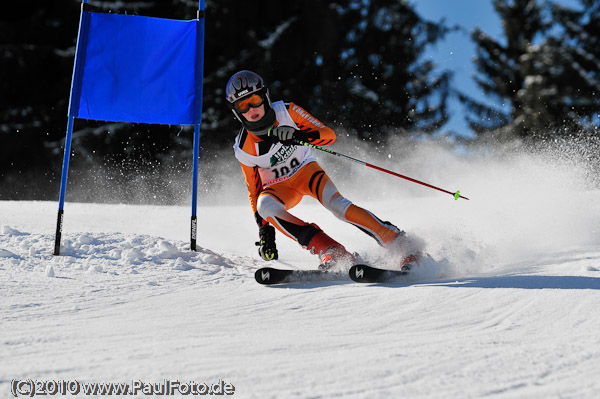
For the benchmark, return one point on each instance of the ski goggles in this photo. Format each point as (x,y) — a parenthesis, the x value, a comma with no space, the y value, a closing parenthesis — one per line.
(254,101)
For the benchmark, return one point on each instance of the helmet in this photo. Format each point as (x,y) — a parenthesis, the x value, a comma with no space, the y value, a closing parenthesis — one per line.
(242,84)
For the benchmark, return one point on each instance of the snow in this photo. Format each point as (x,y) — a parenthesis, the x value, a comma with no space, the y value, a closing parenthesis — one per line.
(510,310)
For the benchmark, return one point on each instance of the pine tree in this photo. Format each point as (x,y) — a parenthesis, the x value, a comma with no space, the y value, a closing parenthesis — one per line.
(500,67)
(570,61)
(384,86)
(548,79)
(36,47)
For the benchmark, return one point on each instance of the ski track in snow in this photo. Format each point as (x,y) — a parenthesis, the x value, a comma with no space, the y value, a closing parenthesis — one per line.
(510,309)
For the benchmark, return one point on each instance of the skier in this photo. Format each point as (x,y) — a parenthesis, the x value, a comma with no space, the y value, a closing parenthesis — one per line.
(278,173)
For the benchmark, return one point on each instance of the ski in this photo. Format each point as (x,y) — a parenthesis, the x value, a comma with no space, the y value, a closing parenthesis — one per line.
(370,274)
(271,276)
(358,273)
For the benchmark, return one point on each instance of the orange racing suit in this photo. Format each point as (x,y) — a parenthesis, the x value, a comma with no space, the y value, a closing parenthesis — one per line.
(278,176)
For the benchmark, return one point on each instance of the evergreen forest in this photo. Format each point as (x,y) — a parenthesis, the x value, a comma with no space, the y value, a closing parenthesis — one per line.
(356,65)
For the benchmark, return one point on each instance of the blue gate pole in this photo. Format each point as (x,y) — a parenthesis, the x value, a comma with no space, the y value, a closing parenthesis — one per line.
(197,119)
(63,185)
(73,105)
(195,187)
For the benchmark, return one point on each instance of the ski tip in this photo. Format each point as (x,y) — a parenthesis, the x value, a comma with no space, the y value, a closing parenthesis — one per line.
(268,275)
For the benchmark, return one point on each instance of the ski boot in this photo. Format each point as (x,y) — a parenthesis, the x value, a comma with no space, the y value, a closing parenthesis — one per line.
(330,252)
(411,261)
(409,249)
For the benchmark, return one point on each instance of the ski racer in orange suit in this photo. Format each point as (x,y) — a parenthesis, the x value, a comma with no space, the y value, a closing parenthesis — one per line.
(279,173)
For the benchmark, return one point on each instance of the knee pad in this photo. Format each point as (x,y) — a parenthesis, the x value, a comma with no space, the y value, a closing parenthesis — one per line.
(334,201)
(268,206)
(338,206)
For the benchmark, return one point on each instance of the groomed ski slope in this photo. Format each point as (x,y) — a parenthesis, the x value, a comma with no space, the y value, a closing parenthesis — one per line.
(509,311)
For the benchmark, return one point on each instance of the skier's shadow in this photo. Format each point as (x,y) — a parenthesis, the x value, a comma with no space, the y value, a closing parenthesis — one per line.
(305,285)
(523,282)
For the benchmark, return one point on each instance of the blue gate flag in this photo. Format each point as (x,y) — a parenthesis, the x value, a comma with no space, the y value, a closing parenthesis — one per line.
(137,69)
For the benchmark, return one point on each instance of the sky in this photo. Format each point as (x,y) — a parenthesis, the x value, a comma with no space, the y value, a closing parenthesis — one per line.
(456,51)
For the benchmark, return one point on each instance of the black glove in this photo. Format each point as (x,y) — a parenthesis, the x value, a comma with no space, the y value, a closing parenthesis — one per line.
(266,246)
(287,135)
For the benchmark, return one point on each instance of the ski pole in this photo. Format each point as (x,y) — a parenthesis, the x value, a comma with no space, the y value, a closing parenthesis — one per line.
(456,195)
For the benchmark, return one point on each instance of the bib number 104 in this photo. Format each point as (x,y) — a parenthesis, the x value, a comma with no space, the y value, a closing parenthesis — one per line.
(284,170)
